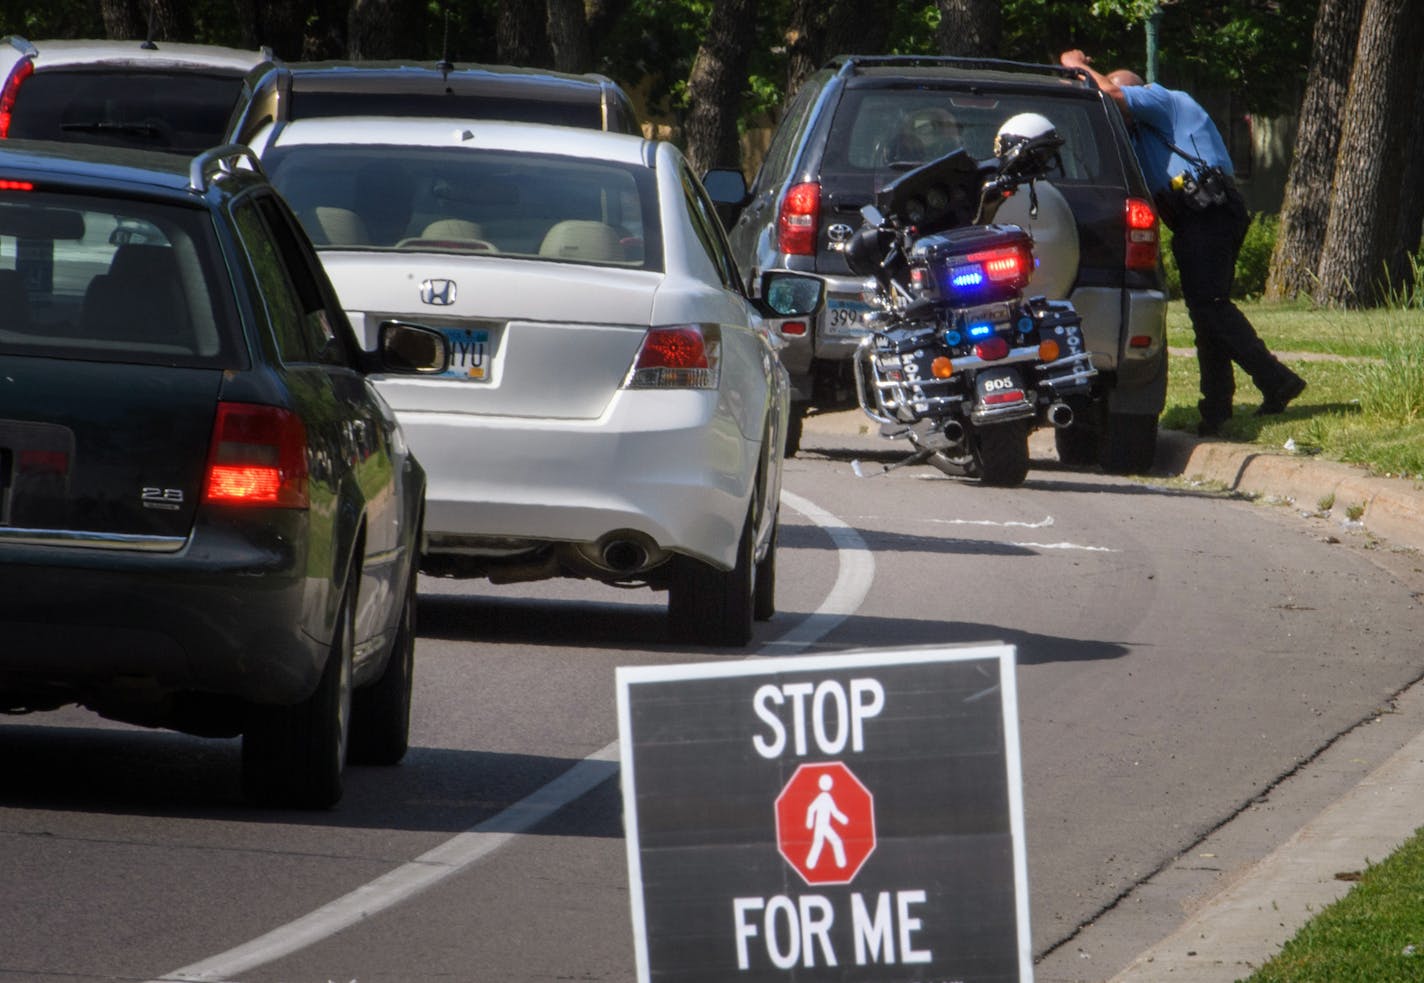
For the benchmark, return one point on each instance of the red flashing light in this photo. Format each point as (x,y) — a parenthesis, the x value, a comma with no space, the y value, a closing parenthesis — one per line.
(258,457)
(23,69)
(9,185)
(992,349)
(1142,239)
(799,220)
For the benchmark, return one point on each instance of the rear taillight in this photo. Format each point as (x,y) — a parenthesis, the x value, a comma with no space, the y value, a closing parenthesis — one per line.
(23,69)
(258,456)
(1142,243)
(685,356)
(799,220)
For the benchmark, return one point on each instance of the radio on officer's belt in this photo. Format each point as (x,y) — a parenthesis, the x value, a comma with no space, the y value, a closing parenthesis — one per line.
(1202,189)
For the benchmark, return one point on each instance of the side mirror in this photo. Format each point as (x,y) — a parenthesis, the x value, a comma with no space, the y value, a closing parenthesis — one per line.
(726,186)
(410,349)
(792,294)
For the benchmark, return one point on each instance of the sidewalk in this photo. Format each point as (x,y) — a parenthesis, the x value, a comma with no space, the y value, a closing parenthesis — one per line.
(1215,923)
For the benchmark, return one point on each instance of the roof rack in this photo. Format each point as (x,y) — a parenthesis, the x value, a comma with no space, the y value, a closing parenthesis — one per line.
(849,64)
(222,159)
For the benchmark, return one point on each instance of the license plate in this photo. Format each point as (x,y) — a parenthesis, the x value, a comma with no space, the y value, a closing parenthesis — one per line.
(845,317)
(999,387)
(471,354)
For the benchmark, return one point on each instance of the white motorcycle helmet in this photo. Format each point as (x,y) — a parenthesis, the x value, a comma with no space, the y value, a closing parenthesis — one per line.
(1023,131)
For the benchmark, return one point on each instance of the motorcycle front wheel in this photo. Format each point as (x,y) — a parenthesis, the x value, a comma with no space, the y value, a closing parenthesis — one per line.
(1001,451)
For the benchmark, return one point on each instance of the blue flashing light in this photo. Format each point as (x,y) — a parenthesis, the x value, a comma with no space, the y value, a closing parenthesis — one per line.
(963,277)
(952,338)
(981,329)
(1025,325)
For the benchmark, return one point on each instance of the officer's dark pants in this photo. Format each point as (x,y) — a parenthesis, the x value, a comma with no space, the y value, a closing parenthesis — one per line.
(1205,244)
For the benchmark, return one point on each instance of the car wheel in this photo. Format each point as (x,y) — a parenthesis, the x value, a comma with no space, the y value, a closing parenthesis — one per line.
(1002,453)
(795,423)
(294,756)
(380,713)
(1130,443)
(764,599)
(1077,444)
(708,606)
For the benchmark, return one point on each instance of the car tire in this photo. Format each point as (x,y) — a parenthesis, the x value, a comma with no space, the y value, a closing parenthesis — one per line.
(764,597)
(1129,443)
(294,756)
(1002,453)
(1077,444)
(708,606)
(795,424)
(380,713)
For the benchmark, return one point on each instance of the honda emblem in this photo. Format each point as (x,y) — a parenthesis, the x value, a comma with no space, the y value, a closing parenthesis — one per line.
(441,293)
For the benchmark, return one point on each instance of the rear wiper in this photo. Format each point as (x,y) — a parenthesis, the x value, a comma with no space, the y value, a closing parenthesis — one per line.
(108,126)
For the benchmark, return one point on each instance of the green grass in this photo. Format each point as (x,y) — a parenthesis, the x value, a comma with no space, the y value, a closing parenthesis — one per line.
(1374,934)
(1365,398)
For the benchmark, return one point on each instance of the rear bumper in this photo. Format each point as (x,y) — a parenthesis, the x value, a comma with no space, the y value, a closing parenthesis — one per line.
(233,613)
(665,465)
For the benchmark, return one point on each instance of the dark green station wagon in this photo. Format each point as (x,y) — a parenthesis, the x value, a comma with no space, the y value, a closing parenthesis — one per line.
(209,520)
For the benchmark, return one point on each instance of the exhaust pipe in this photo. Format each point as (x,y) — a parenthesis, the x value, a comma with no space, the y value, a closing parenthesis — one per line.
(624,555)
(953,431)
(1060,415)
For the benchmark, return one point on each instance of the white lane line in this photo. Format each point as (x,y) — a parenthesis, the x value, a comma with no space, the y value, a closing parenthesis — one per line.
(856,572)
(1067,546)
(1046,521)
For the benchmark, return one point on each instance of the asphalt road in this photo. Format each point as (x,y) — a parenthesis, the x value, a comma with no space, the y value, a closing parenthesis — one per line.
(1181,654)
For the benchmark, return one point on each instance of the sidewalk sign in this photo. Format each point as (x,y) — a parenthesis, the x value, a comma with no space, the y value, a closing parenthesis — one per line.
(854,817)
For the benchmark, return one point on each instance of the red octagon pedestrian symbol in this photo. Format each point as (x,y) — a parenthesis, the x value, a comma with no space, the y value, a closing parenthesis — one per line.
(825,823)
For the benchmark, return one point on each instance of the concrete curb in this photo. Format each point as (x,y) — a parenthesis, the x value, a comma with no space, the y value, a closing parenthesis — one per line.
(1391,508)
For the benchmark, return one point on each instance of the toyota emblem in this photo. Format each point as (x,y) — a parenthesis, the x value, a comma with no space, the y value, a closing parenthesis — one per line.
(441,293)
(840,232)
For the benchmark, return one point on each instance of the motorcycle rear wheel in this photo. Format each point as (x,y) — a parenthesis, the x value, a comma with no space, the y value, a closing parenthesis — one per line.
(1001,451)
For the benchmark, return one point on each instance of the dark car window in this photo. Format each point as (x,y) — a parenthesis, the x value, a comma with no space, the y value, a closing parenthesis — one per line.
(875,127)
(709,231)
(183,112)
(586,114)
(284,306)
(532,206)
(111,280)
(324,339)
(787,138)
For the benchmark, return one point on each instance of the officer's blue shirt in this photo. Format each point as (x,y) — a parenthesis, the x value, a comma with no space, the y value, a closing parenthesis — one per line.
(1177,116)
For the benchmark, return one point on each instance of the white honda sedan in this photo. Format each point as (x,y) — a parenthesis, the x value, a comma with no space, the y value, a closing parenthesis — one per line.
(612,405)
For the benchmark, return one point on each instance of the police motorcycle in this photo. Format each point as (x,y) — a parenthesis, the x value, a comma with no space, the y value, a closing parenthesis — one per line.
(956,360)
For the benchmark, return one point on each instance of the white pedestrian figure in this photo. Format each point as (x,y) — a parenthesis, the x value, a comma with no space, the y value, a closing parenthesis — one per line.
(818,819)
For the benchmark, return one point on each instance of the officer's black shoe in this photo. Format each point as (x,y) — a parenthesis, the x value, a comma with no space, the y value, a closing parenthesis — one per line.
(1272,405)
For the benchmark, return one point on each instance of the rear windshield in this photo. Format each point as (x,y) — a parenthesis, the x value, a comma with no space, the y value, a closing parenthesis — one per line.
(182,112)
(587,113)
(105,280)
(529,206)
(875,129)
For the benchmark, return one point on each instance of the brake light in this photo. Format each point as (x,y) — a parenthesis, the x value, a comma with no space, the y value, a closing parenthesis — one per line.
(8,185)
(684,356)
(1142,242)
(799,220)
(992,349)
(23,69)
(258,456)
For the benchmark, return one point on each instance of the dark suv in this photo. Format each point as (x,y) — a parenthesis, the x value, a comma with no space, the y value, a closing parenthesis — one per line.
(209,519)
(861,121)
(275,92)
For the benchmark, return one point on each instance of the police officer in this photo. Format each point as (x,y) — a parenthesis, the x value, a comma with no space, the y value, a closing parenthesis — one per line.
(1189,173)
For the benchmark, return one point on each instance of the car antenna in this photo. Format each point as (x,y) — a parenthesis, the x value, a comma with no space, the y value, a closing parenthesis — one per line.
(148,44)
(444,64)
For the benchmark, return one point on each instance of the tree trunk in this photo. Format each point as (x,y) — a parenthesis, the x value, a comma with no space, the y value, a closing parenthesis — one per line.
(1411,195)
(818,31)
(1364,217)
(1306,206)
(568,36)
(130,20)
(370,29)
(969,27)
(714,89)
(521,34)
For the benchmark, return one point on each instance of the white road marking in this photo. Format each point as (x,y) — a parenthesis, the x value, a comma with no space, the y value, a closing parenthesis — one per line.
(1066,546)
(856,572)
(1046,521)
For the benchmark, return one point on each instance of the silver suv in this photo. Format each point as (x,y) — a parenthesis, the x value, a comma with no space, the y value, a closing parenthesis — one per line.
(861,121)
